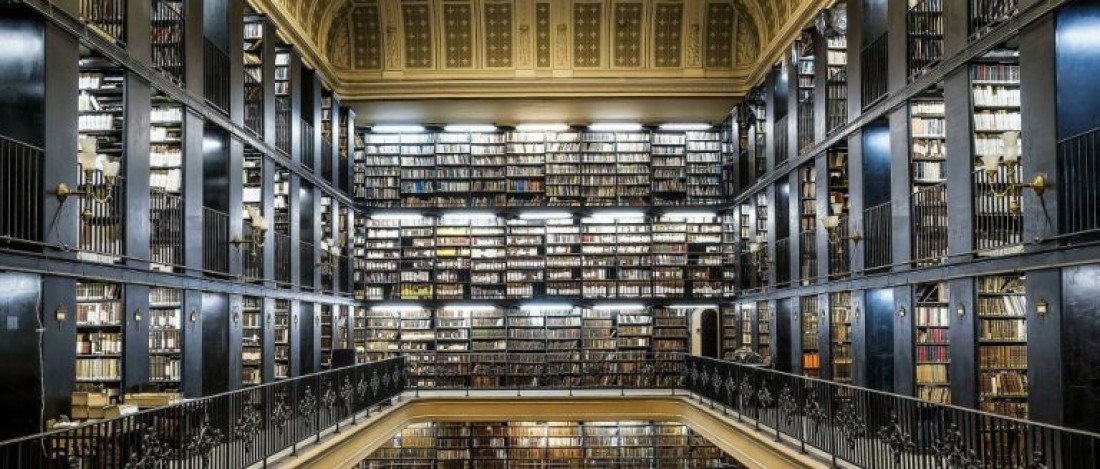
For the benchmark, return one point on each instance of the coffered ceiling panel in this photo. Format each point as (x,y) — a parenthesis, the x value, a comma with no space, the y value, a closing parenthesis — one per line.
(405,49)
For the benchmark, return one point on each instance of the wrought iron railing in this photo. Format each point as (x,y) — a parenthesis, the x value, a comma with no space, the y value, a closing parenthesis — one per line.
(215,75)
(108,16)
(237,429)
(253,101)
(282,126)
(346,285)
(326,158)
(806,123)
(877,236)
(166,230)
(782,148)
(998,226)
(840,260)
(930,225)
(282,258)
(872,429)
(306,140)
(1078,171)
(985,14)
(925,29)
(102,209)
(873,71)
(215,241)
(308,254)
(807,256)
(754,270)
(20,190)
(252,256)
(783,262)
(167,38)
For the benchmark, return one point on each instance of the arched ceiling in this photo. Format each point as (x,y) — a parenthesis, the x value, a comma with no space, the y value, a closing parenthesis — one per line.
(408,49)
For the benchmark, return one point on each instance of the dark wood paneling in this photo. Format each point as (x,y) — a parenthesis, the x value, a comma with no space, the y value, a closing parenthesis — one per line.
(904,362)
(782,325)
(1044,335)
(900,188)
(959,170)
(59,339)
(21,375)
(879,339)
(59,221)
(963,369)
(233,353)
(876,165)
(1041,102)
(192,344)
(22,72)
(136,340)
(1081,354)
(215,343)
(859,339)
(136,168)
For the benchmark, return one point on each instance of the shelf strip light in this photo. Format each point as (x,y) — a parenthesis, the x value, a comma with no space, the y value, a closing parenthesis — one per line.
(690,214)
(544,215)
(542,127)
(396,216)
(469,308)
(538,307)
(470,128)
(618,307)
(615,127)
(615,215)
(469,216)
(708,306)
(685,127)
(398,129)
(397,308)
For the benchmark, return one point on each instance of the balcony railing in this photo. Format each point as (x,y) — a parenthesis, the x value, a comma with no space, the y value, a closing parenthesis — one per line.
(873,70)
(20,190)
(985,14)
(241,428)
(109,17)
(167,41)
(998,229)
(782,148)
(805,124)
(878,236)
(840,260)
(253,101)
(308,255)
(215,241)
(326,158)
(1078,171)
(102,211)
(807,256)
(252,257)
(925,23)
(282,258)
(282,127)
(930,225)
(166,231)
(868,428)
(306,139)
(215,75)
(783,262)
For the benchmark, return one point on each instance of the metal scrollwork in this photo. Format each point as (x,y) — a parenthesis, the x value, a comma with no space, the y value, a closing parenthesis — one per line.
(328,398)
(745,390)
(247,425)
(731,388)
(307,406)
(850,425)
(280,415)
(347,393)
(704,379)
(764,395)
(362,388)
(1038,460)
(716,381)
(205,440)
(896,438)
(386,379)
(154,454)
(694,374)
(374,382)
(951,451)
(812,408)
(787,405)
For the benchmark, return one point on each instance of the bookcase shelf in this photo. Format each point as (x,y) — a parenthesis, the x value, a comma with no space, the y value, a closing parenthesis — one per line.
(764,331)
(101,147)
(807,75)
(327,336)
(1002,345)
(283,349)
(166,145)
(731,340)
(747,314)
(924,21)
(836,82)
(932,340)
(995,81)
(100,332)
(840,327)
(811,349)
(807,224)
(837,166)
(165,338)
(252,341)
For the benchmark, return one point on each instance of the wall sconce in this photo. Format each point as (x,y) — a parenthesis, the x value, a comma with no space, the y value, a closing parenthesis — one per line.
(831,223)
(60,314)
(1010,187)
(137,314)
(1042,307)
(901,311)
(194,315)
(857,312)
(960,309)
(256,239)
(236,314)
(90,162)
(328,259)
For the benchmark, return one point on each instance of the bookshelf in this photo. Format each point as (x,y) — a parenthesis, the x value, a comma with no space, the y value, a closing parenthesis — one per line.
(99,338)
(106,17)
(730,320)
(764,331)
(836,82)
(758,115)
(378,170)
(747,314)
(252,198)
(525,169)
(488,169)
(563,169)
(840,340)
(383,332)
(928,140)
(101,140)
(671,329)
(563,257)
(760,237)
(166,145)
(806,66)
(525,259)
(452,168)
(731,247)
(807,223)
(488,332)
(283,348)
(283,100)
(488,259)
(810,327)
(417,238)
(328,333)
(360,333)
(995,83)
(925,35)
(166,44)
(837,167)
(669,163)
(1002,345)
(932,340)
(253,61)
(704,168)
(380,258)
(165,338)
(252,341)
(417,160)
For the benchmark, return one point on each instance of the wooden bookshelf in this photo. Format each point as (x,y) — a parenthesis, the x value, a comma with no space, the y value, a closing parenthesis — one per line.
(810,327)
(807,224)
(836,82)
(252,341)
(840,327)
(995,82)
(925,24)
(101,146)
(731,339)
(100,327)
(806,68)
(328,331)
(747,316)
(1002,345)
(283,349)
(932,339)
(165,338)
(764,331)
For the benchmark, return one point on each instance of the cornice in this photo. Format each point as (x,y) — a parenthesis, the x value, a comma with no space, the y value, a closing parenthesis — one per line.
(542,88)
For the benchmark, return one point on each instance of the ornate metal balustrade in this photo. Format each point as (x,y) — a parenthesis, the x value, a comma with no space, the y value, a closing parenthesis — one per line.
(236,429)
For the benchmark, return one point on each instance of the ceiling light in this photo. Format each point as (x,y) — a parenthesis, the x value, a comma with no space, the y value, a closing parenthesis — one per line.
(683,127)
(473,128)
(396,216)
(710,306)
(616,215)
(537,307)
(469,216)
(397,129)
(690,215)
(544,215)
(619,307)
(397,308)
(615,127)
(469,308)
(542,127)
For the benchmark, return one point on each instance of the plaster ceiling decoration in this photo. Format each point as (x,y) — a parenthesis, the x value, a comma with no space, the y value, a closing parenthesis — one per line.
(410,49)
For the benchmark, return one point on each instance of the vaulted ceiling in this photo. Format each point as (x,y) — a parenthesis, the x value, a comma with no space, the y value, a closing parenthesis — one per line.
(409,49)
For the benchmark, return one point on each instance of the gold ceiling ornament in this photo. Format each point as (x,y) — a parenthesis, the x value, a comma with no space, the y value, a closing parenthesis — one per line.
(388,49)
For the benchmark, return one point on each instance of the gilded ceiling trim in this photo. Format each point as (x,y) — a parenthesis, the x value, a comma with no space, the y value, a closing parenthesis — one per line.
(543,88)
